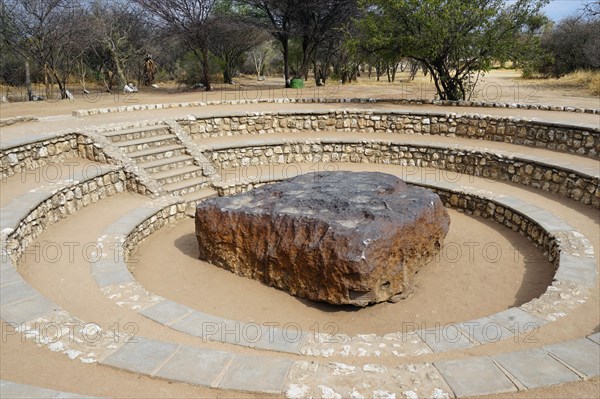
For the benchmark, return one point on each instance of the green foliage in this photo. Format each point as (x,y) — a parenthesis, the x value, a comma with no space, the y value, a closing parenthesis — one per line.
(573,44)
(190,72)
(454,39)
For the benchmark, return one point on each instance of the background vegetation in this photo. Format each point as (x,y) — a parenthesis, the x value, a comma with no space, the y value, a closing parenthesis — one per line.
(110,44)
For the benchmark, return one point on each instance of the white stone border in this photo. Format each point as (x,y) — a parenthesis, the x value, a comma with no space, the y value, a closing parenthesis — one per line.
(327,100)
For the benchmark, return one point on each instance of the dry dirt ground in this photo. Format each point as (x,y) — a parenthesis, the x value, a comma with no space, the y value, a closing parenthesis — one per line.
(167,263)
(497,86)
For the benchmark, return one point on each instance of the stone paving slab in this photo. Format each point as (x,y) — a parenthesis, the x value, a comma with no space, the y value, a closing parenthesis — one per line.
(166,311)
(548,221)
(256,374)
(484,330)
(199,324)
(15,390)
(582,354)
(27,310)
(474,376)
(10,216)
(281,340)
(17,291)
(595,338)
(107,265)
(577,269)
(131,220)
(113,277)
(195,366)
(535,368)
(9,275)
(235,332)
(445,338)
(517,320)
(5,262)
(144,356)
(118,228)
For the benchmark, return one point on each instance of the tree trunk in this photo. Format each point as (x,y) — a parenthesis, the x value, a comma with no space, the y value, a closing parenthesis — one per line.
(28,82)
(46,82)
(61,85)
(117,63)
(206,68)
(258,63)
(121,75)
(227,72)
(286,61)
(303,72)
(82,80)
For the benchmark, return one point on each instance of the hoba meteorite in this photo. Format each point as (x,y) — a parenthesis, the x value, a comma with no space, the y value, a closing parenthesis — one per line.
(338,237)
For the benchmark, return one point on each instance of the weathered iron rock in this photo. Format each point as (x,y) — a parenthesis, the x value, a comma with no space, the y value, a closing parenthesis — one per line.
(337,237)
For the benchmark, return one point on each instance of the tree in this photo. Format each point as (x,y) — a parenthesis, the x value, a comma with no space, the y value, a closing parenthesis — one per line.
(571,45)
(453,39)
(317,21)
(306,24)
(260,55)
(276,16)
(49,32)
(187,20)
(592,9)
(230,36)
(119,38)
(11,63)
(229,39)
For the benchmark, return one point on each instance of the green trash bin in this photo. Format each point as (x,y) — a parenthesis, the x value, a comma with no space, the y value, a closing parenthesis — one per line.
(297,83)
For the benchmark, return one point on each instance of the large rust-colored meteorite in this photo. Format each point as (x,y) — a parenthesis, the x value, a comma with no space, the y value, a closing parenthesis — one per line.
(336,237)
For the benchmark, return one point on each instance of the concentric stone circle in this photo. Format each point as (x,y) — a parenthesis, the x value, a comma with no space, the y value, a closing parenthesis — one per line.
(26,217)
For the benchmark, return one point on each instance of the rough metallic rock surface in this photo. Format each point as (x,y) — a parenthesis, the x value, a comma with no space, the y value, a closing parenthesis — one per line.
(337,237)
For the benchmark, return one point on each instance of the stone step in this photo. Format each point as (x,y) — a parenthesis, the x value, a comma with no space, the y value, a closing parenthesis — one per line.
(154,154)
(137,133)
(167,164)
(196,197)
(177,175)
(147,143)
(187,186)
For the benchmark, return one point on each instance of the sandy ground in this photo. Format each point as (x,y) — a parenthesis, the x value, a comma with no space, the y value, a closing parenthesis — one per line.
(497,86)
(501,266)
(519,274)
(176,273)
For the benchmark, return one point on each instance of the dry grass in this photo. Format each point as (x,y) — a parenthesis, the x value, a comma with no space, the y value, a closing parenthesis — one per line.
(588,81)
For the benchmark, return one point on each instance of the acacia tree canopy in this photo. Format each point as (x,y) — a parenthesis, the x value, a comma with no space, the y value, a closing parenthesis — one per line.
(453,39)
(187,20)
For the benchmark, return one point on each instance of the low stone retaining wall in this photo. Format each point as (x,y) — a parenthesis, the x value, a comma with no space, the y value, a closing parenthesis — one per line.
(567,183)
(36,154)
(36,216)
(17,119)
(157,218)
(329,100)
(551,136)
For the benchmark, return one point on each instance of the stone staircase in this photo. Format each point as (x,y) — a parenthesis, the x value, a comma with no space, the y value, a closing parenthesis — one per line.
(164,157)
